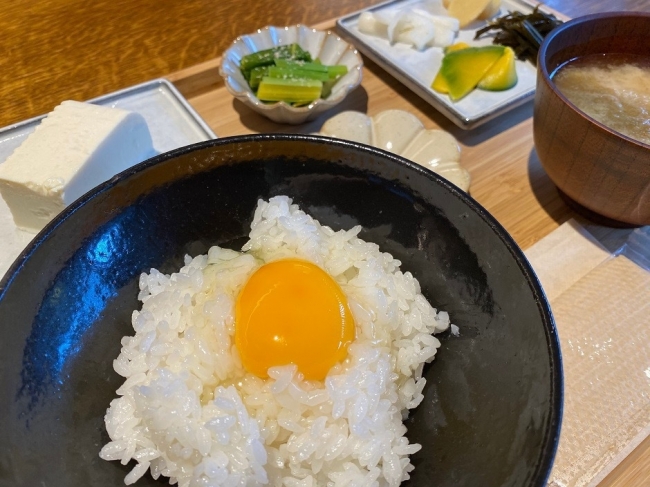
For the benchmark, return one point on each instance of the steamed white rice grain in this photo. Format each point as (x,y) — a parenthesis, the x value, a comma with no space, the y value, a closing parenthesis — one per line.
(189,411)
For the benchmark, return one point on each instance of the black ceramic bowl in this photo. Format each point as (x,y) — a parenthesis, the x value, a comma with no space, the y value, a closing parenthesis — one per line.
(493,401)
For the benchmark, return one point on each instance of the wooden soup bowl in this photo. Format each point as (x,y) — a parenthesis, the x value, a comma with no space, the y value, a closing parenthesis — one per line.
(595,167)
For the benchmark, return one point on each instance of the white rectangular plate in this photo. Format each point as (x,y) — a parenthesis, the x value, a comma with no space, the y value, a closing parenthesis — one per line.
(417,69)
(173,123)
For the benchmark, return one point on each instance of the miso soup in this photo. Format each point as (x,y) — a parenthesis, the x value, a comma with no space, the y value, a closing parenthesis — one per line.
(613,89)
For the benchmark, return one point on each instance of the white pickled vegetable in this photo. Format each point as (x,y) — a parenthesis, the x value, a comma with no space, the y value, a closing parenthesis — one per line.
(450,23)
(444,37)
(416,27)
(411,28)
(371,25)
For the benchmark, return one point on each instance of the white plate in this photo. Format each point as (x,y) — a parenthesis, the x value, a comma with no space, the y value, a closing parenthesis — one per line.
(417,69)
(402,133)
(173,123)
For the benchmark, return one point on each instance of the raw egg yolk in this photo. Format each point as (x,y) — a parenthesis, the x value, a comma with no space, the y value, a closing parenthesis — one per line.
(292,312)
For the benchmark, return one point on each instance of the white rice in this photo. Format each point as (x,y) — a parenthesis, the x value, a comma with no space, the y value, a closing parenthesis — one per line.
(189,411)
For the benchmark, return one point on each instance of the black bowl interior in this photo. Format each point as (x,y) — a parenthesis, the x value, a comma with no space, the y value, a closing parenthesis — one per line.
(492,408)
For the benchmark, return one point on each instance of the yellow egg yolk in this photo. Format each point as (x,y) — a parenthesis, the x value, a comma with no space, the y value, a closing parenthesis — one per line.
(292,312)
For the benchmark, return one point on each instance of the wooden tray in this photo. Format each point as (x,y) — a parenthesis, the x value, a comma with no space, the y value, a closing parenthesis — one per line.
(507,178)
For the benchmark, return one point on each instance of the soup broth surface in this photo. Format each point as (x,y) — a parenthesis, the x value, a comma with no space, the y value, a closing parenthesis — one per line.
(613,89)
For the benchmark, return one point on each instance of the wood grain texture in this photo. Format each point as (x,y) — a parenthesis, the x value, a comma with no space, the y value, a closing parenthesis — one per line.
(634,471)
(76,49)
(79,49)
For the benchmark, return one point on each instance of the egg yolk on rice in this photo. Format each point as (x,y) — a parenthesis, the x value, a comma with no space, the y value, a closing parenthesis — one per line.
(291,311)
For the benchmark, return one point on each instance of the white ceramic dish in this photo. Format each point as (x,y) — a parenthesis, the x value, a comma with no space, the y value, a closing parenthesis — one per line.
(417,69)
(326,46)
(173,123)
(402,133)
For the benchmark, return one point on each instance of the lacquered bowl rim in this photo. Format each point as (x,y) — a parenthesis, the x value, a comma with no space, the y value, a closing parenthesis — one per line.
(552,431)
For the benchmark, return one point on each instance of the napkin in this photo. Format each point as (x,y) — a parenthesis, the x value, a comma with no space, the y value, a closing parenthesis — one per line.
(601,303)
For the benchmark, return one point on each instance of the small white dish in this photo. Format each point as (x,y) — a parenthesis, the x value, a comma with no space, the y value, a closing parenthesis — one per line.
(326,46)
(402,133)
(417,69)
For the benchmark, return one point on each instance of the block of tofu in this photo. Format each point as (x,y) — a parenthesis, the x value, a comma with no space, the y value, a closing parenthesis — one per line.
(75,148)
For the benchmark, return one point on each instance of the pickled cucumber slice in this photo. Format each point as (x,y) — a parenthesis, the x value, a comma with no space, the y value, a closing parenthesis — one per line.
(289,90)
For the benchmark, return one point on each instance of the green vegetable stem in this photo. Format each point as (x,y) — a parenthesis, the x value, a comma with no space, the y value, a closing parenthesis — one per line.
(289,90)
(288,73)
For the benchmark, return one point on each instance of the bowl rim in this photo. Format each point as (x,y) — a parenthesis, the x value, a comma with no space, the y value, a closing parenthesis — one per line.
(547,77)
(551,432)
(266,107)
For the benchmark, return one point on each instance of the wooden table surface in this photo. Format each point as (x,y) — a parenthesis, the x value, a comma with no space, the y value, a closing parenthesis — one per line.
(53,50)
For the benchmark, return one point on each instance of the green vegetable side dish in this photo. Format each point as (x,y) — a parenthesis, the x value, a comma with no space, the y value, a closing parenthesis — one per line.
(289,74)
